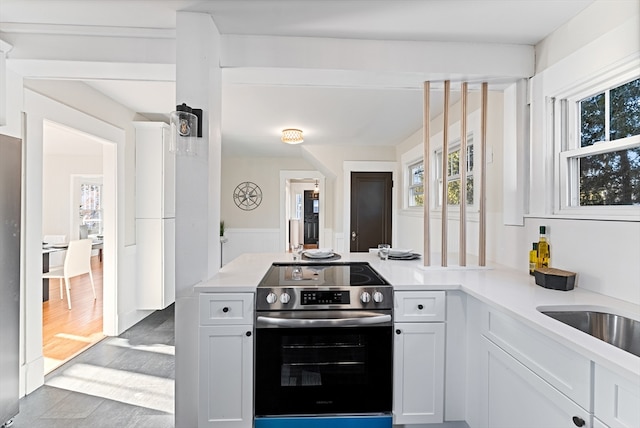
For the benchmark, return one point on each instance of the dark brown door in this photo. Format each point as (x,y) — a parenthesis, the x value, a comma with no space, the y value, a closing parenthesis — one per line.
(311,221)
(370,210)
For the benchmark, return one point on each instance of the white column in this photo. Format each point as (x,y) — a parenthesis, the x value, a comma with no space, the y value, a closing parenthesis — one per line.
(198,84)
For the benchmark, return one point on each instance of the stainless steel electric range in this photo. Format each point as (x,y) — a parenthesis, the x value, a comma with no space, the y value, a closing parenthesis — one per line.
(323,354)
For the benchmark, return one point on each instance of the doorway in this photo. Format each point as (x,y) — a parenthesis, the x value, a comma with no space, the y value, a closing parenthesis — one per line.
(371,209)
(311,217)
(293,184)
(72,203)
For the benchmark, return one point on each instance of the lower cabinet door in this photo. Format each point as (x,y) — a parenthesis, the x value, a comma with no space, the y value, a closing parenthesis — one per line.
(517,397)
(617,398)
(418,373)
(226,375)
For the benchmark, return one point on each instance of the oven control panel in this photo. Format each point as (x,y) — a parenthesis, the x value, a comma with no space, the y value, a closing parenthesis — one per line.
(319,297)
(309,298)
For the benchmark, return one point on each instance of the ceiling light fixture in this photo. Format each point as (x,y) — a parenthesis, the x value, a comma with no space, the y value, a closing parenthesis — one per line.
(292,136)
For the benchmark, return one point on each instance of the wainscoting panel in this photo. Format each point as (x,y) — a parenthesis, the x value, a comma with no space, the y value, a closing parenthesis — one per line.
(241,241)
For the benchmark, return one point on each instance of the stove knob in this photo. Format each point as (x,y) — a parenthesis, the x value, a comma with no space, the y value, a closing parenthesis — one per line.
(272,298)
(365,297)
(284,298)
(378,297)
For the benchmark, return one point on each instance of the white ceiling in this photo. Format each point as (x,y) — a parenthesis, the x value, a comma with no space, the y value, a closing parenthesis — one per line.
(253,115)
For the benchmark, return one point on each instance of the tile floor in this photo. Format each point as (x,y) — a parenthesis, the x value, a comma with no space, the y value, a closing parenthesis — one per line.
(124,381)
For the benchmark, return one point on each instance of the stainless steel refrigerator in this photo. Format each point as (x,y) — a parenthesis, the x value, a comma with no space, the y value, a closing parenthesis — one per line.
(10,185)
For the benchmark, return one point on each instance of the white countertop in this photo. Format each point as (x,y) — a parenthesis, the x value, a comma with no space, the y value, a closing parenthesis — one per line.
(512,292)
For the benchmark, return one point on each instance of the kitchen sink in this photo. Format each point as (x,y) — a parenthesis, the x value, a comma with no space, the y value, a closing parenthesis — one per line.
(617,330)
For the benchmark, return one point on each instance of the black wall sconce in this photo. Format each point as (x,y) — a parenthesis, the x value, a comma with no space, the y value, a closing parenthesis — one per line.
(186,126)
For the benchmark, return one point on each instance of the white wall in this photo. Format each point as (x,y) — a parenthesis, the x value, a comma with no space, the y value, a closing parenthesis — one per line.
(265,172)
(605,254)
(599,18)
(57,178)
(84,98)
(410,224)
(330,161)
(118,278)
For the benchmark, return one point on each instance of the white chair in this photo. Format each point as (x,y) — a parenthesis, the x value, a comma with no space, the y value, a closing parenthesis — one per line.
(56,259)
(83,231)
(77,262)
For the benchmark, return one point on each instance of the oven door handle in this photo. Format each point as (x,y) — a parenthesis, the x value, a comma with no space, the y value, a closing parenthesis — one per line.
(321,322)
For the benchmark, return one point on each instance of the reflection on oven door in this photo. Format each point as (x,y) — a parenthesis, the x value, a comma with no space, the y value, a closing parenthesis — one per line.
(316,371)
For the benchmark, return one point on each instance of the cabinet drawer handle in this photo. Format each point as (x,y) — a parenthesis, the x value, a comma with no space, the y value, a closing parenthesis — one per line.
(225,309)
(578,421)
(420,307)
(248,334)
(398,331)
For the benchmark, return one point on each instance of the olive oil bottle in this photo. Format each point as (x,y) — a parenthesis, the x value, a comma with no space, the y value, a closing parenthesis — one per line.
(544,250)
(533,258)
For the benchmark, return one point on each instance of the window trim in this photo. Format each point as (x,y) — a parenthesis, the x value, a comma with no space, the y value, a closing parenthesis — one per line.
(563,111)
(454,145)
(416,155)
(408,169)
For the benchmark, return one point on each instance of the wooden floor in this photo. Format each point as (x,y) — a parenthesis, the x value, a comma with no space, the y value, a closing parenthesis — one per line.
(65,333)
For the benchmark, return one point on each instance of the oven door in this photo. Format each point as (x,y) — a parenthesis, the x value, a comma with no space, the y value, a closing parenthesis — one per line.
(323,363)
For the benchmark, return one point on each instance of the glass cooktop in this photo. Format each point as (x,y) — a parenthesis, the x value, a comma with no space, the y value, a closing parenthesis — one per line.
(321,274)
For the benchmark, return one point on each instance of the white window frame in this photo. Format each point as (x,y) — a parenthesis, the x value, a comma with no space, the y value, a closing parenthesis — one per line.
(415,155)
(411,186)
(409,158)
(564,113)
(99,221)
(437,167)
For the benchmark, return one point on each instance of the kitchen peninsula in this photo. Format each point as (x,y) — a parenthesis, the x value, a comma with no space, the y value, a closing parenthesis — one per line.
(492,322)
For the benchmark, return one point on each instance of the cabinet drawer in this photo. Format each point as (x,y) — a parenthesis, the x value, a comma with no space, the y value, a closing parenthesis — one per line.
(563,368)
(419,306)
(222,308)
(616,399)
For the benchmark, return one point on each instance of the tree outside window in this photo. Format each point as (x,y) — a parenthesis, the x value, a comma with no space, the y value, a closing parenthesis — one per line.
(611,177)
(91,207)
(453,173)
(416,184)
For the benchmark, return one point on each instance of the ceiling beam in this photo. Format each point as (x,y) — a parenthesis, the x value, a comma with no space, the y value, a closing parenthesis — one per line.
(308,61)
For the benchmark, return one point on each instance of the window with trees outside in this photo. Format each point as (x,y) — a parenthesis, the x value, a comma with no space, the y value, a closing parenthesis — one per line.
(91,207)
(416,184)
(453,173)
(600,161)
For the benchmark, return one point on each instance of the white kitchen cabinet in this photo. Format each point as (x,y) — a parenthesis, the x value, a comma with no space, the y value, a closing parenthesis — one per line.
(616,398)
(226,308)
(155,171)
(517,397)
(226,360)
(563,368)
(526,378)
(597,423)
(418,357)
(156,261)
(155,216)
